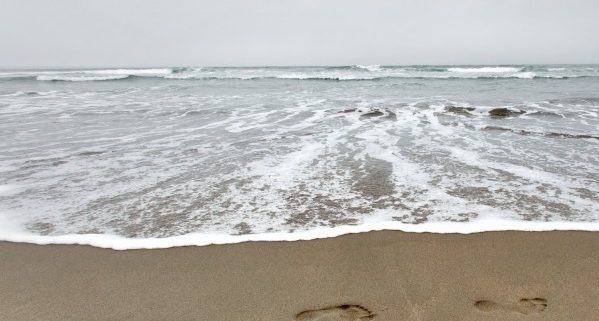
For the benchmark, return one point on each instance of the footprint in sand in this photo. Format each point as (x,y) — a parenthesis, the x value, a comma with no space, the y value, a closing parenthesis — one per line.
(337,313)
(525,306)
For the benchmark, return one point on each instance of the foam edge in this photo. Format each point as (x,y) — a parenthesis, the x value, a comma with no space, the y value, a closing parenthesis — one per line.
(116,242)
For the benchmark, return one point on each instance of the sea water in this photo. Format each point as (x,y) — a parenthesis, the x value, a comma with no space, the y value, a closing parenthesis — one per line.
(133,158)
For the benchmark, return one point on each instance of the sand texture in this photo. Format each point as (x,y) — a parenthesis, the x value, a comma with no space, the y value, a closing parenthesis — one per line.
(386,276)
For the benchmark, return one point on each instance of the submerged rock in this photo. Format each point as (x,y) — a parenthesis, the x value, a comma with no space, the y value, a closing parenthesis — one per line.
(391,115)
(505,112)
(372,113)
(459,110)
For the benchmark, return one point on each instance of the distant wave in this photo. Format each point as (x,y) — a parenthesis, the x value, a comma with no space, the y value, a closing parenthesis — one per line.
(327,77)
(9,78)
(184,69)
(298,77)
(82,78)
(333,73)
(370,67)
(485,69)
(360,78)
(131,72)
(524,75)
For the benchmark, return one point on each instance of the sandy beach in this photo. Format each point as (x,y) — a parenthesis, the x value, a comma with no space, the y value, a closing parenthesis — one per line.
(386,275)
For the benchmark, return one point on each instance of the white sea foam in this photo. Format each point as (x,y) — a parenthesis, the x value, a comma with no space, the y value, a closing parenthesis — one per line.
(6,190)
(484,69)
(369,67)
(525,75)
(132,72)
(80,78)
(8,232)
(326,76)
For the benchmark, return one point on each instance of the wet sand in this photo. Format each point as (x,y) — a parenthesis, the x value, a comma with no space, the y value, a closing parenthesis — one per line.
(386,275)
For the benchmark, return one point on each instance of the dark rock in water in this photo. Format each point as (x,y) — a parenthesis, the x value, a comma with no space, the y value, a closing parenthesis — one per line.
(375,112)
(504,112)
(391,115)
(372,113)
(459,110)
(500,112)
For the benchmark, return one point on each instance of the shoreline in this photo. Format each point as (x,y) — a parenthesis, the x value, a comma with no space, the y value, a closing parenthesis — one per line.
(117,242)
(395,275)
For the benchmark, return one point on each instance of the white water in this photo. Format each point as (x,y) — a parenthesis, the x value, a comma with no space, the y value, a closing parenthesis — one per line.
(148,161)
(357,72)
(13,234)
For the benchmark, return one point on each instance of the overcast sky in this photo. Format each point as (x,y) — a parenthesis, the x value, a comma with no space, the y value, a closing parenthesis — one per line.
(103,33)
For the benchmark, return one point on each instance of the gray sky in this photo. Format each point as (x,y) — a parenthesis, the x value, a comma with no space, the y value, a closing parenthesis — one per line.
(102,33)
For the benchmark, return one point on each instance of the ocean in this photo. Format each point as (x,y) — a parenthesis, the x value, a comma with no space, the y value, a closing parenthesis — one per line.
(158,157)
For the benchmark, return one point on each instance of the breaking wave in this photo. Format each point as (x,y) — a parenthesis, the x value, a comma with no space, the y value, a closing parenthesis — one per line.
(81,78)
(338,73)
(369,68)
(485,69)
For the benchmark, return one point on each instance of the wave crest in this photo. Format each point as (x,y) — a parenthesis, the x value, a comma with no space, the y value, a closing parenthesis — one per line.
(369,67)
(484,69)
(131,72)
(81,78)
(356,72)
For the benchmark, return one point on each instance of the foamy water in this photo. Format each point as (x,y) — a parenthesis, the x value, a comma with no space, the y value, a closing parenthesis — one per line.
(144,158)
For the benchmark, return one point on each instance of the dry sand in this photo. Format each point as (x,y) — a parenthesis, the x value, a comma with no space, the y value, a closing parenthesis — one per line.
(385,275)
